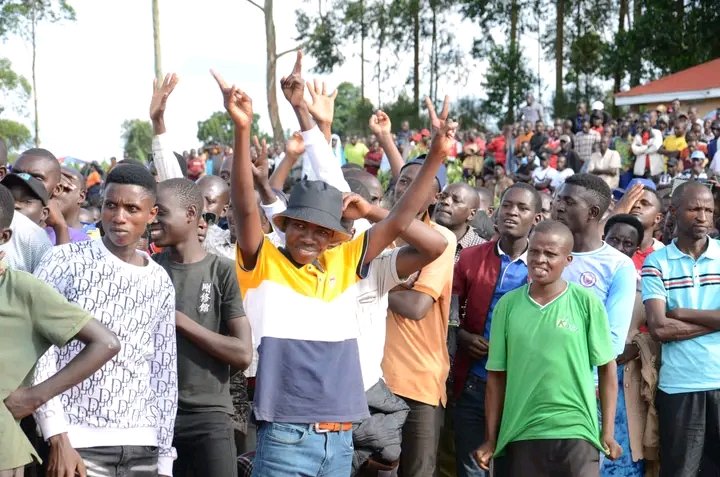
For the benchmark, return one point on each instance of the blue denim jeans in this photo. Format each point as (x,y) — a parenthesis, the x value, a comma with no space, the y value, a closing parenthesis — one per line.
(470,426)
(297,450)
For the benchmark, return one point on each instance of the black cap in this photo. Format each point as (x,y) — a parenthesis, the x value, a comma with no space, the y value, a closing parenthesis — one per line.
(317,203)
(34,185)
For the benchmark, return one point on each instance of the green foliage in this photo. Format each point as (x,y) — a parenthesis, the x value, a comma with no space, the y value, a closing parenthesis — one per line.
(11,81)
(468,111)
(403,109)
(507,79)
(138,136)
(16,135)
(219,129)
(689,38)
(321,39)
(14,87)
(16,15)
(351,111)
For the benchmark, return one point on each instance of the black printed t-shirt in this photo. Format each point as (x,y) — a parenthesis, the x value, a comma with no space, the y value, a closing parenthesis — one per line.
(206,291)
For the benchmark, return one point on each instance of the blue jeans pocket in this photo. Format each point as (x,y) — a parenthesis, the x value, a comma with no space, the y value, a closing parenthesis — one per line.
(288,434)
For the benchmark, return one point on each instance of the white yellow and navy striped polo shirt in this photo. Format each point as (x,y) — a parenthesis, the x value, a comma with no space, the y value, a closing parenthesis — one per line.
(305,332)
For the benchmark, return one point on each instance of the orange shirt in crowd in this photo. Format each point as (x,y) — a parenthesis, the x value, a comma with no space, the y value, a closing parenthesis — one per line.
(416,361)
(93,179)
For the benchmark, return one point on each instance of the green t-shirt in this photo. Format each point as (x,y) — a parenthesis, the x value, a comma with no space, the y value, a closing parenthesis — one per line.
(548,353)
(356,154)
(33,317)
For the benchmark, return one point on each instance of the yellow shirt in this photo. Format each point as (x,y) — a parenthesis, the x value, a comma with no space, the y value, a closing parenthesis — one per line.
(356,154)
(674,143)
(416,361)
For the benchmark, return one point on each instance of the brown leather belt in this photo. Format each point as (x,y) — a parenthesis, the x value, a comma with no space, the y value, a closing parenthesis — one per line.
(321,427)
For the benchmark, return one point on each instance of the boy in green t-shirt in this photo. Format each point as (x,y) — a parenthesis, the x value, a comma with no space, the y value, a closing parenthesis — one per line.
(33,317)
(546,337)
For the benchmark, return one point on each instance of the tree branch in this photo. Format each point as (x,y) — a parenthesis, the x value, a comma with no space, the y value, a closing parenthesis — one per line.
(257,5)
(287,51)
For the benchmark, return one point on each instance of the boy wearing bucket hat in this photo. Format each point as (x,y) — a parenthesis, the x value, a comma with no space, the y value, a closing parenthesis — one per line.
(300,300)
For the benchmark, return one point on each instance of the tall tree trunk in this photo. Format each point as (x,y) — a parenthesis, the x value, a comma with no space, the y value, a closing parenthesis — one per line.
(434,54)
(156,40)
(415,11)
(617,74)
(271,72)
(636,60)
(559,57)
(512,93)
(381,46)
(33,21)
(578,33)
(362,59)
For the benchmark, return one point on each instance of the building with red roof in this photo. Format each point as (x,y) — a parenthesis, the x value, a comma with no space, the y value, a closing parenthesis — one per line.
(696,86)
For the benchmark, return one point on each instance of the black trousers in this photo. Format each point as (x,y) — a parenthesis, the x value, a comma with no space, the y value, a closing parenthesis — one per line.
(549,458)
(205,445)
(420,436)
(689,433)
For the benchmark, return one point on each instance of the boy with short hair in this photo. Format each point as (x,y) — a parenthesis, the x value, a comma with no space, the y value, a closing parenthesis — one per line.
(34,317)
(125,413)
(541,403)
(213,333)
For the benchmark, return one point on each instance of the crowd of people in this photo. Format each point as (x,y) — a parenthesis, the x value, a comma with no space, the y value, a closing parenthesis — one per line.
(262,312)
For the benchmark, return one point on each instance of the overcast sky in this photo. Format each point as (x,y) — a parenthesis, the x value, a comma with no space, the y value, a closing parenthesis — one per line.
(96,72)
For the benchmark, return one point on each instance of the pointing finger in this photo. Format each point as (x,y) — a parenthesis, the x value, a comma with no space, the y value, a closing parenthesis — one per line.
(297,69)
(220,81)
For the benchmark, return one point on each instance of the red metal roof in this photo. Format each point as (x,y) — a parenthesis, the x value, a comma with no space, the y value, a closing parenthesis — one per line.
(700,77)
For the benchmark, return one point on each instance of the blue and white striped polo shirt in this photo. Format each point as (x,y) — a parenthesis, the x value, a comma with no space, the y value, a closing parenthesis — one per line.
(683,282)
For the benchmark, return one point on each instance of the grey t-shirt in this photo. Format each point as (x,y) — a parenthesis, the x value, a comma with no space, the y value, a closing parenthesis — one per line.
(208,293)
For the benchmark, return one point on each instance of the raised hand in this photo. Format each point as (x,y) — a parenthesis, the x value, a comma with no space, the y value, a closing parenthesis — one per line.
(380,123)
(444,140)
(260,166)
(295,146)
(437,122)
(237,103)
(322,108)
(355,207)
(626,203)
(292,86)
(159,101)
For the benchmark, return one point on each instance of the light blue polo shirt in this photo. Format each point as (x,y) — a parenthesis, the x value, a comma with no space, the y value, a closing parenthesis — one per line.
(682,282)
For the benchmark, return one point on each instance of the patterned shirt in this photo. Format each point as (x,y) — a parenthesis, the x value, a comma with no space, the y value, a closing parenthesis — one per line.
(132,399)
(584,144)
(470,239)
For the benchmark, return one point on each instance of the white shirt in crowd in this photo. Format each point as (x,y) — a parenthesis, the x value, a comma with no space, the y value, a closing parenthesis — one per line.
(132,399)
(559,179)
